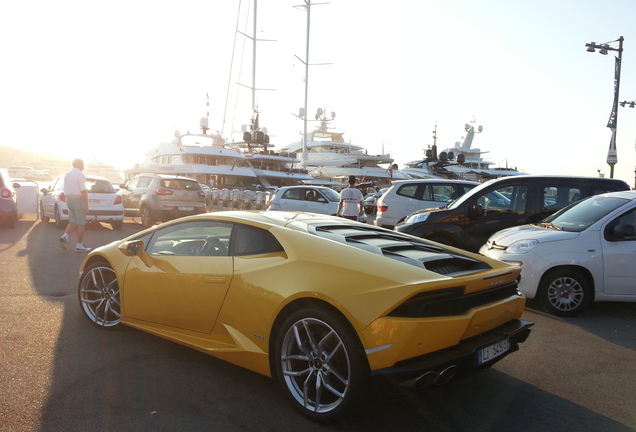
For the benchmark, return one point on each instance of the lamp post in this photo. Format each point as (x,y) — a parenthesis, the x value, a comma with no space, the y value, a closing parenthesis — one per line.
(631,104)
(613,120)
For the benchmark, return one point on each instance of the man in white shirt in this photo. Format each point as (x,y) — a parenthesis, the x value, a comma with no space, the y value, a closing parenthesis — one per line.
(77,203)
(351,201)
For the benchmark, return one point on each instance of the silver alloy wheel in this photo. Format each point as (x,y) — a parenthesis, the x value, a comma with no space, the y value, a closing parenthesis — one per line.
(565,294)
(315,365)
(99,295)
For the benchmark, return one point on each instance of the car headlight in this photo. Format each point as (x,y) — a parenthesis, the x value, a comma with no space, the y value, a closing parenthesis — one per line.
(522,246)
(415,218)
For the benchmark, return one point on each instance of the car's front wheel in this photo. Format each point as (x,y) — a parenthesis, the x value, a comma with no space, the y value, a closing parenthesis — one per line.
(98,293)
(320,363)
(564,292)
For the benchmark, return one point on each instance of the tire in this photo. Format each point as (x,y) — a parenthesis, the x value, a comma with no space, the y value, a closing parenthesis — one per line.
(59,223)
(147,218)
(117,224)
(320,363)
(44,218)
(564,292)
(98,294)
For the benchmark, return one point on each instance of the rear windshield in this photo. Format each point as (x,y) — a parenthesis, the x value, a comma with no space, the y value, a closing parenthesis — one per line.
(99,186)
(180,184)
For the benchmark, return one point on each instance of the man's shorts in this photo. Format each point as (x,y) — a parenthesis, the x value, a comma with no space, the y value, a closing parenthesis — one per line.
(76,210)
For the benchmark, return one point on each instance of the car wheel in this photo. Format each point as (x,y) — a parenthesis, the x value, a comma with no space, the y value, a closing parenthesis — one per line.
(59,223)
(564,292)
(44,218)
(320,363)
(117,224)
(147,219)
(99,295)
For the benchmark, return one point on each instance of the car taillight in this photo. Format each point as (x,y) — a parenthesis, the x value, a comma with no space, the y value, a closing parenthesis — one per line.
(382,207)
(161,191)
(201,194)
(117,200)
(5,193)
(62,197)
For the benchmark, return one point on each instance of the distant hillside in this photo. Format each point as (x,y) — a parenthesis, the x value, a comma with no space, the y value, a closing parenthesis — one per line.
(46,167)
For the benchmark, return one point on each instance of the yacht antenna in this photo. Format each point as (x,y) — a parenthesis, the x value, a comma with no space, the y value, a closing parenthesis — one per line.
(307,7)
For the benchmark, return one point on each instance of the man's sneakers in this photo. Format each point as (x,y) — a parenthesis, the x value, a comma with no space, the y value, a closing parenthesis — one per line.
(81,248)
(63,242)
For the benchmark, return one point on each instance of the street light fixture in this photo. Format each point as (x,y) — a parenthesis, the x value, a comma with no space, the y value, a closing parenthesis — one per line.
(613,120)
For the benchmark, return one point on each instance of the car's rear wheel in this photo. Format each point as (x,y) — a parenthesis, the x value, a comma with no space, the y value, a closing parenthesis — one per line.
(61,224)
(44,218)
(320,363)
(98,293)
(117,224)
(147,218)
(564,292)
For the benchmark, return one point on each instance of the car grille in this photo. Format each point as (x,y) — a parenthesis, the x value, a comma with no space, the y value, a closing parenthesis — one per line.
(403,248)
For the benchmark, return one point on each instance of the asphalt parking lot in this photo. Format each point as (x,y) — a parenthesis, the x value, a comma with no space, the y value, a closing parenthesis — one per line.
(59,373)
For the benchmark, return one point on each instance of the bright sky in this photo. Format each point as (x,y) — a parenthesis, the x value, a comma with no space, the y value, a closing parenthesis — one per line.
(109,80)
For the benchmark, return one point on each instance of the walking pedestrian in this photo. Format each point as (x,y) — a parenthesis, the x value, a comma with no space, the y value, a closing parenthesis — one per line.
(77,203)
(351,201)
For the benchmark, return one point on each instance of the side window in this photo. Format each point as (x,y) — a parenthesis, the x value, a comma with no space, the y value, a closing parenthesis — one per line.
(248,240)
(144,182)
(409,191)
(294,194)
(508,199)
(133,183)
(197,238)
(557,197)
(444,193)
(622,228)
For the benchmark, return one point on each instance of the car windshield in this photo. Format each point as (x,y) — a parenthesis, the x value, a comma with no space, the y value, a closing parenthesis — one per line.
(331,194)
(580,215)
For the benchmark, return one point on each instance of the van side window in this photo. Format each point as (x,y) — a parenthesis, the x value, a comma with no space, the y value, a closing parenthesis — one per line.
(557,197)
(508,199)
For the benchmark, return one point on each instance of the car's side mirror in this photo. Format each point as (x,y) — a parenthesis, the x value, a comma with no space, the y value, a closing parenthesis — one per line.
(123,186)
(16,185)
(44,191)
(475,211)
(136,248)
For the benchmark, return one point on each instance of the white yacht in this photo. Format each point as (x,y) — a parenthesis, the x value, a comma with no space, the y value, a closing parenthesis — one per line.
(328,157)
(461,161)
(202,156)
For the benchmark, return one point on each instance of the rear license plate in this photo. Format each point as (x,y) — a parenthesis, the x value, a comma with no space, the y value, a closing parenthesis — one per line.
(493,351)
(186,208)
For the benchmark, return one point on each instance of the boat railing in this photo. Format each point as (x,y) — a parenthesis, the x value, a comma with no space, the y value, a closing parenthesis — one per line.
(239,199)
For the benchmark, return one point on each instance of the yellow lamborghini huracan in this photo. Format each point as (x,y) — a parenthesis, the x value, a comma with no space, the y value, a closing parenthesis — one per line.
(318,302)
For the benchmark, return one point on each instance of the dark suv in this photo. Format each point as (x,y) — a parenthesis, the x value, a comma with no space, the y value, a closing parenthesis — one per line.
(468,222)
(157,198)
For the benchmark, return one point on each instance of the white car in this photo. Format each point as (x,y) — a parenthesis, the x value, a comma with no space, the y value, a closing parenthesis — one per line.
(310,199)
(104,205)
(407,196)
(585,252)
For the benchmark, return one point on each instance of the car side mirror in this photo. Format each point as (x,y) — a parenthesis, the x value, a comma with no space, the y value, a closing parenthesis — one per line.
(44,191)
(16,185)
(136,248)
(123,186)
(475,211)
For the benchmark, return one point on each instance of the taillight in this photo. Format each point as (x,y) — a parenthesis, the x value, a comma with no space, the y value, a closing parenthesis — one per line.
(382,207)
(117,200)
(5,193)
(62,197)
(161,191)
(201,194)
